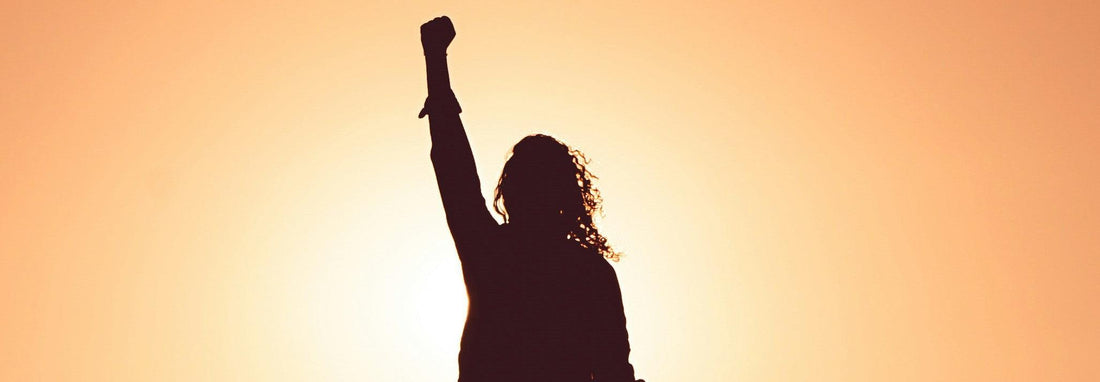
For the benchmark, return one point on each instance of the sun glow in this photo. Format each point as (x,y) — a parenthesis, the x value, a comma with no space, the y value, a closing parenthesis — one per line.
(241,191)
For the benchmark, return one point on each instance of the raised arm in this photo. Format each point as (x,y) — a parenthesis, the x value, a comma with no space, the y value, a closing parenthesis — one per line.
(455,172)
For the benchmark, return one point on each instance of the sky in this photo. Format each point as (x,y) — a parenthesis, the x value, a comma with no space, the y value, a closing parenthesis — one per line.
(818,190)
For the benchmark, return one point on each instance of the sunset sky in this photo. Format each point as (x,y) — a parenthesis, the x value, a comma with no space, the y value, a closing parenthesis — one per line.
(804,191)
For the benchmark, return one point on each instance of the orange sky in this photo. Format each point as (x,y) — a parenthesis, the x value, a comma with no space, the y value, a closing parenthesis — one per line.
(805,191)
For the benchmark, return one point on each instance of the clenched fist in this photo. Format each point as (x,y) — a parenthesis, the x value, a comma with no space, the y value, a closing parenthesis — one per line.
(436,35)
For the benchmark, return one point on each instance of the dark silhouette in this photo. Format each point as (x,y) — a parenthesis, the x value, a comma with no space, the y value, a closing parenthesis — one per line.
(545,305)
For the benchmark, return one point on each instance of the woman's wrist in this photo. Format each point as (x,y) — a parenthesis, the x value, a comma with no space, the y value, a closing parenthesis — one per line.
(435,52)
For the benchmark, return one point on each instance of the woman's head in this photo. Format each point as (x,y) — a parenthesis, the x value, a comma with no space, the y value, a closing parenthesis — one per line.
(545,185)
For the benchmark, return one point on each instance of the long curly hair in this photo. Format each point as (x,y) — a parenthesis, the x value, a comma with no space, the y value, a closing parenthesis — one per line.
(547,181)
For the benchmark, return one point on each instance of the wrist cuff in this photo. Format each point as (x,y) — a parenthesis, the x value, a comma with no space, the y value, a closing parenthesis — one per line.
(440,104)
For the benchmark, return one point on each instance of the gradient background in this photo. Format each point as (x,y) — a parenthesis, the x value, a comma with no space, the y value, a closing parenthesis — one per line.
(812,191)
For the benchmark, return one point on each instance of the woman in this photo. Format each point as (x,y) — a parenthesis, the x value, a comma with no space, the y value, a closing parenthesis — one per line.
(544,303)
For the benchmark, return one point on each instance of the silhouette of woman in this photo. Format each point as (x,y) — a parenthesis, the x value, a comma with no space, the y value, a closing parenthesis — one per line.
(544,304)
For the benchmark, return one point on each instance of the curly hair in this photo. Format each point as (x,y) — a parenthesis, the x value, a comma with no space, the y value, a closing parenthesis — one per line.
(544,174)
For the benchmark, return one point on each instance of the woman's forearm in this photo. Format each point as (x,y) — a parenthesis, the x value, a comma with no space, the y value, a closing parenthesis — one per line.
(439,78)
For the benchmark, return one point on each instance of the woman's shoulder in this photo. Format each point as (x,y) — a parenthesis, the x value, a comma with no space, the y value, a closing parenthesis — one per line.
(589,258)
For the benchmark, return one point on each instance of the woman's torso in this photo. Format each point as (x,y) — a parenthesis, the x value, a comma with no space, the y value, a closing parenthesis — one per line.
(529,309)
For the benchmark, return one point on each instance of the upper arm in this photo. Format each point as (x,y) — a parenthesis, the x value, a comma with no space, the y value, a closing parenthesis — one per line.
(468,216)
